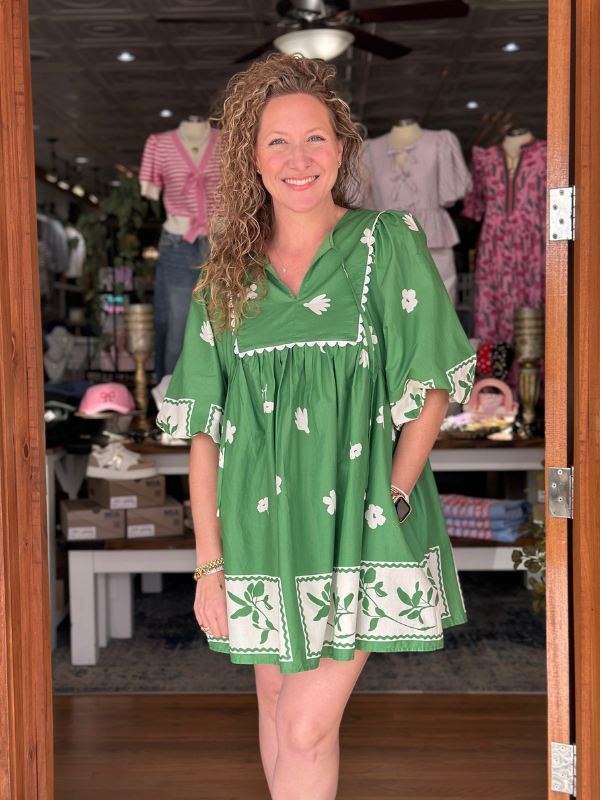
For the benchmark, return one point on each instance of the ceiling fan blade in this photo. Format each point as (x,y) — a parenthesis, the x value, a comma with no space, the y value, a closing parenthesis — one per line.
(440,9)
(217,20)
(255,53)
(375,44)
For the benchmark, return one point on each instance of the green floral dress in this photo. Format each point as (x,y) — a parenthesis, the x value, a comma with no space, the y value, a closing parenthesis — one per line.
(305,404)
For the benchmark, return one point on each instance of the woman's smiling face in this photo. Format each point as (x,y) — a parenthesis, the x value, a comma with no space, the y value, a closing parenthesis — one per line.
(297,152)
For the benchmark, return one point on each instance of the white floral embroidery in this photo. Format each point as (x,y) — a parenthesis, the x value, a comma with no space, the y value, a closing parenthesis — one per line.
(278,484)
(374,338)
(380,418)
(229,431)
(409,300)
(302,419)
(330,501)
(221,458)
(263,505)
(374,516)
(364,358)
(207,333)
(251,295)
(368,237)
(319,304)
(410,221)
(268,406)
(355,450)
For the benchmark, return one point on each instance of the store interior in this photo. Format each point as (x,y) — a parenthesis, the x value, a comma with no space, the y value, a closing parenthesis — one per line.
(452,106)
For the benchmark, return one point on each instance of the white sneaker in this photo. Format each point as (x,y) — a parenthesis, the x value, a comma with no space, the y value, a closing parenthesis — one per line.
(116,462)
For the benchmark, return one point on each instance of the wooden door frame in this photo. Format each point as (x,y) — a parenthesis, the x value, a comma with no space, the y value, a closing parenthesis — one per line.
(26,762)
(572,339)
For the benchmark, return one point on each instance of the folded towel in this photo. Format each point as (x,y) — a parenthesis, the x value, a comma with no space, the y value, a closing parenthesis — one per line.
(485,524)
(458,505)
(509,534)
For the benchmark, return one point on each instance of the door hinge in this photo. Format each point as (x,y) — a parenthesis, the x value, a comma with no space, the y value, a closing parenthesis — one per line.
(564,768)
(561,214)
(560,492)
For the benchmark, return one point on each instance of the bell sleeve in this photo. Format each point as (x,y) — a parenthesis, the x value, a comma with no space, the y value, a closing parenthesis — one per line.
(474,202)
(195,399)
(425,346)
(454,176)
(150,176)
(364,197)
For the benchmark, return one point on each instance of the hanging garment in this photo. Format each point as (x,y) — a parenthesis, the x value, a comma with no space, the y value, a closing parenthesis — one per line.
(188,190)
(52,233)
(510,269)
(46,267)
(77,251)
(306,402)
(433,177)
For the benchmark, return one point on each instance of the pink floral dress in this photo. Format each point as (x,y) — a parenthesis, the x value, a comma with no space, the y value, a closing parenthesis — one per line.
(510,269)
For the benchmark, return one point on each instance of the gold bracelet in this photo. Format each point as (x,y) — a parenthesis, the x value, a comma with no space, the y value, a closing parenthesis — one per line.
(200,571)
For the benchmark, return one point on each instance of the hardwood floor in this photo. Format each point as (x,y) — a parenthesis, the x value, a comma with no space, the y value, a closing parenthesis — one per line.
(417,747)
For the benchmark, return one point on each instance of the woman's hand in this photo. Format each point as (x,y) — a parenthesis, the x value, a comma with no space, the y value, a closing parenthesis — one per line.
(210,605)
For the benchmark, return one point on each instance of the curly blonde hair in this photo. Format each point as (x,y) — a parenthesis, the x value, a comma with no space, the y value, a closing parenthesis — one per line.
(243,223)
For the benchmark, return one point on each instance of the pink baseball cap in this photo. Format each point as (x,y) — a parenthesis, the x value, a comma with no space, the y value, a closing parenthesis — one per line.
(107,397)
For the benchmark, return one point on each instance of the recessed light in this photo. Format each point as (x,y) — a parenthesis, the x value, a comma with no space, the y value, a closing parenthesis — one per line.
(51,178)
(166,113)
(511,47)
(472,104)
(125,56)
(81,160)
(63,185)
(115,183)
(93,198)
(78,190)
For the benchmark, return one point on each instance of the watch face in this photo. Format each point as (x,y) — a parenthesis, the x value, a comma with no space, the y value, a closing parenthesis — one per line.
(403,509)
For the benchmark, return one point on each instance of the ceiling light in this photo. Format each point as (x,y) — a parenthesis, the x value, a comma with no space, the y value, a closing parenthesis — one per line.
(472,104)
(51,178)
(150,253)
(93,198)
(325,43)
(115,183)
(63,185)
(125,56)
(81,160)
(511,47)
(166,113)
(78,190)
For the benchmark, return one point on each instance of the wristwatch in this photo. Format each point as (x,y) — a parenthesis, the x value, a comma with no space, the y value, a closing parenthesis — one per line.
(400,500)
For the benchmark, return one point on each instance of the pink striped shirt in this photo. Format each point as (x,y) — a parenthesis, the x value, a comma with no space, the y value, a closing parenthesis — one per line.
(188,190)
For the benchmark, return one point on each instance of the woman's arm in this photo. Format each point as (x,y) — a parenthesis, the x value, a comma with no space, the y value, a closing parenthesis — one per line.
(210,606)
(417,439)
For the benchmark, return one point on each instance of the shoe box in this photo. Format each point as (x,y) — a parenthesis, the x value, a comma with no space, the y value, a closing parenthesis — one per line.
(85,520)
(147,510)
(165,520)
(127,494)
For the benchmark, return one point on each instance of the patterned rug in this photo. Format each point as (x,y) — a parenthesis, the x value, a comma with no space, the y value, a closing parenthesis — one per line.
(500,649)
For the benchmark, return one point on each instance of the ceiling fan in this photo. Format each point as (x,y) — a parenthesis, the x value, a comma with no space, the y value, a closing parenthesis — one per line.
(326,28)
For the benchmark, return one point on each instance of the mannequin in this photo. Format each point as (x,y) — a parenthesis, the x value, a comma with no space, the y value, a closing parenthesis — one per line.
(422,172)
(512,144)
(183,164)
(404,133)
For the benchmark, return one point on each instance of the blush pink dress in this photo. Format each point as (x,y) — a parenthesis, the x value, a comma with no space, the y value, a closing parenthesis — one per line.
(510,268)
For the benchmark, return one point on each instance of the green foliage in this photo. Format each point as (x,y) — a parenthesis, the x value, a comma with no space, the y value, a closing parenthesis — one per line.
(126,206)
(533,558)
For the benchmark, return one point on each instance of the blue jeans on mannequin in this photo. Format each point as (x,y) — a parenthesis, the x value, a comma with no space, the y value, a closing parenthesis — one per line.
(176,276)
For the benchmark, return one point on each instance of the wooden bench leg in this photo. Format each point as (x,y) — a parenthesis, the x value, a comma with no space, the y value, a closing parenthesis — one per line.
(101,609)
(82,603)
(120,605)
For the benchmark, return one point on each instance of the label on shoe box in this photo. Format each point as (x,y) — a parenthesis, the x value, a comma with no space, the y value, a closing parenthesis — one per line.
(124,501)
(140,531)
(81,533)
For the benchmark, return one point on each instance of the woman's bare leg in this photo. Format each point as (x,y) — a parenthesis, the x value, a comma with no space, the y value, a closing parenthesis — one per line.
(308,715)
(268,686)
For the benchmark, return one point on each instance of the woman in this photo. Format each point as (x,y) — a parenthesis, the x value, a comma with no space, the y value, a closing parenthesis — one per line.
(318,333)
